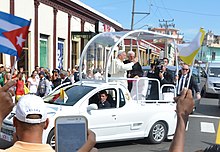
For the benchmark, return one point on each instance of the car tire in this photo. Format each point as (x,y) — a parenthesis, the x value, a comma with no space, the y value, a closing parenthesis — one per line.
(51,139)
(158,133)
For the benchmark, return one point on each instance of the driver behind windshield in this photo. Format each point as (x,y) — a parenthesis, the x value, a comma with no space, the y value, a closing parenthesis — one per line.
(104,103)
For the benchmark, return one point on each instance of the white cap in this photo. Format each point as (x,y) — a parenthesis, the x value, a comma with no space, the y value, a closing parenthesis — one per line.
(28,105)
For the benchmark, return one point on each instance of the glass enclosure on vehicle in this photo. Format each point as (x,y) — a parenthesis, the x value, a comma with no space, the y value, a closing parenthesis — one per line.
(103,48)
(73,94)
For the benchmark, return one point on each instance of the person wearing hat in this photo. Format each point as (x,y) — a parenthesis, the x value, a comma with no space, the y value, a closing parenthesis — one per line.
(29,121)
(43,86)
(119,69)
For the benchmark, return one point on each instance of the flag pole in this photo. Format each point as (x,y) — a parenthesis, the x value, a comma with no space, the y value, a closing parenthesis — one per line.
(190,74)
(177,63)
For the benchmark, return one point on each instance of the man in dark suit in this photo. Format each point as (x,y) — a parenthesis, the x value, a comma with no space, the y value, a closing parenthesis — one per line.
(56,80)
(154,93)
(103,103)
(64,77)
(183,79)
(136,69)
(165,77)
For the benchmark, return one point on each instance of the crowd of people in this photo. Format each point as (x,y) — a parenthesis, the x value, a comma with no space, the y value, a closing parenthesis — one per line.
(181,79)
(40,82)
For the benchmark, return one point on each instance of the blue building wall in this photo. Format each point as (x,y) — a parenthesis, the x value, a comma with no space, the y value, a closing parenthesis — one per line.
(209,54)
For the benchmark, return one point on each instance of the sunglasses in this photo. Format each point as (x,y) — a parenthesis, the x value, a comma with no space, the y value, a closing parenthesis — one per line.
(185,69)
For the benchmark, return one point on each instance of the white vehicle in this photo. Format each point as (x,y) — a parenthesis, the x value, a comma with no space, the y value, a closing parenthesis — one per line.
(131,115)
(212,84)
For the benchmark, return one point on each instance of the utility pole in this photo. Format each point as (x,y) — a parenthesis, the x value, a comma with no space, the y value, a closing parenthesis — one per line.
(166,25)
(132,22)
(132,18)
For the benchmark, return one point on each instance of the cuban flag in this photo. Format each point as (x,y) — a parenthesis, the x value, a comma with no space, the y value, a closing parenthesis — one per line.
(13,34)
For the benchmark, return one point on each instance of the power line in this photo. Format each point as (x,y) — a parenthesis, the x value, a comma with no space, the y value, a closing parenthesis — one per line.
(133,13)
(166,25)
(150,17)
(143,13)
(141,19)
(166,9)
(158,10)
(184,11)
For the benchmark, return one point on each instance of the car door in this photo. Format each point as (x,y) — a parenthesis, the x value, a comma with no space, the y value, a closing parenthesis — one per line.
(103,122)
(122,122)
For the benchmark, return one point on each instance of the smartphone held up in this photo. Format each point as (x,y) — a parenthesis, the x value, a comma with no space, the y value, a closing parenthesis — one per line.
(70,133)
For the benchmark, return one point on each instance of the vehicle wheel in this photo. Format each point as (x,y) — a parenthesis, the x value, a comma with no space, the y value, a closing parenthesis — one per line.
(158,133)
(51,139)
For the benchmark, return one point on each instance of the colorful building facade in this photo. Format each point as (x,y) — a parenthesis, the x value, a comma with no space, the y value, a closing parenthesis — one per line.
(58,33)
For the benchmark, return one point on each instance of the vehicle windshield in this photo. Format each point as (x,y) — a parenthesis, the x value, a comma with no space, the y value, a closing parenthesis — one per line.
(214,72)
(70,95)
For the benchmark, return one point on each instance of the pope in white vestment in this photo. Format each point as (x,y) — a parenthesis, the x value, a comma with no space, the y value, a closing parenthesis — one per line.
(119,69)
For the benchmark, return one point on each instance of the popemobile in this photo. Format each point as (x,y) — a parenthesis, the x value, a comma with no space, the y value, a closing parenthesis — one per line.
(131,115)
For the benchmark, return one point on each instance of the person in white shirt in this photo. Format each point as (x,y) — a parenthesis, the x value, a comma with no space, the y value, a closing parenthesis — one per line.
(97,74)
(33,82)
(119,69)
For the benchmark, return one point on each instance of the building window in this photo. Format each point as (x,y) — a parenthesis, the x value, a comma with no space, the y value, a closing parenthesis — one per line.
(74,52)
(213,55)
(43,51)
(59,54)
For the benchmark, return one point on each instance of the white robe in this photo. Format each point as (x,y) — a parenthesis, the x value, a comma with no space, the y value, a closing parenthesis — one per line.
(119,69)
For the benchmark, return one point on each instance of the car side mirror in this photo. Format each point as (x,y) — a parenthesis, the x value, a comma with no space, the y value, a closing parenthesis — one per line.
(92,106)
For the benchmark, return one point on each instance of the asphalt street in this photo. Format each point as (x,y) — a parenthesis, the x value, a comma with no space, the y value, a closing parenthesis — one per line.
(200,132)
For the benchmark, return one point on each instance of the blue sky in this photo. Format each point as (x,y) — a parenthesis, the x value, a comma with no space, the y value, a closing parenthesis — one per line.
(188,15)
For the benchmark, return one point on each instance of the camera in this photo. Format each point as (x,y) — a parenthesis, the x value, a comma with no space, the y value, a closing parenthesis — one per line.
(159,65)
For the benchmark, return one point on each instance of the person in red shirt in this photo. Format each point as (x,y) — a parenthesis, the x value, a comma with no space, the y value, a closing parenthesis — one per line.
(19,86)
